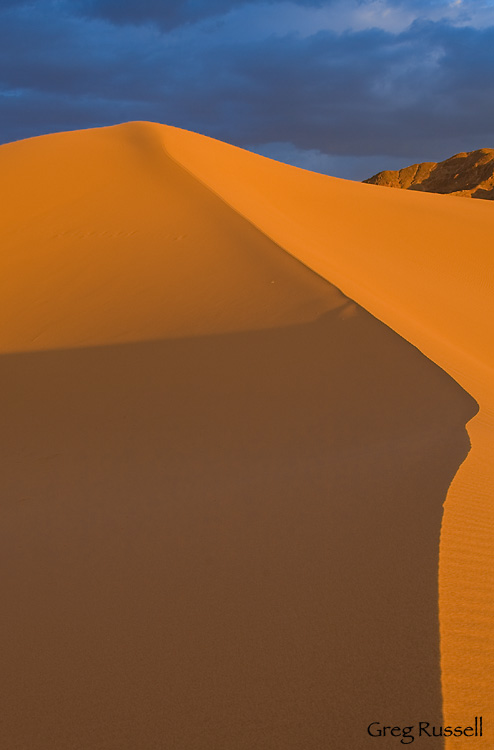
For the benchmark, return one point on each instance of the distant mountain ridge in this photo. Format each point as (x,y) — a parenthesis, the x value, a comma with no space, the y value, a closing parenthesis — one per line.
(469,175)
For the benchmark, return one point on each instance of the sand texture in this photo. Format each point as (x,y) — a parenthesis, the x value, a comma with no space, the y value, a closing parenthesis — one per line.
(235,396)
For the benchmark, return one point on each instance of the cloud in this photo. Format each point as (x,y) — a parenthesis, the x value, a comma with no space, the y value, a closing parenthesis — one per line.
(318,95)
(347,167)
(168,15)
(336,15)
(357,93)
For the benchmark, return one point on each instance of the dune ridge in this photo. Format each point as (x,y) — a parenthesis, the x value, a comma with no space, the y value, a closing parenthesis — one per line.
(88,295)
(85,288)
(444,257)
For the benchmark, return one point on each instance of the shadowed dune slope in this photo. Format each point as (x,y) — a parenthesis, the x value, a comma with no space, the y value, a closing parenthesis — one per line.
(423,264)
(222,480)
(228,541)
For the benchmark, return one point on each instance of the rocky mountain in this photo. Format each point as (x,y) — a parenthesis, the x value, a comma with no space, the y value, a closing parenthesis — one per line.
(469,175)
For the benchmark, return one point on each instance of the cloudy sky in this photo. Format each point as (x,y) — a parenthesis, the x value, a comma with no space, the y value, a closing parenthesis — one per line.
(346,87)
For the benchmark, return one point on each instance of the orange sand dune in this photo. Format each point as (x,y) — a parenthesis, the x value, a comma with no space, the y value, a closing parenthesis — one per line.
(104,243)
(222,480)
(423,264)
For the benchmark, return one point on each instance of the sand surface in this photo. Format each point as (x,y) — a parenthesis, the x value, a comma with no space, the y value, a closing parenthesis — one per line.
(222,479)
(424,265)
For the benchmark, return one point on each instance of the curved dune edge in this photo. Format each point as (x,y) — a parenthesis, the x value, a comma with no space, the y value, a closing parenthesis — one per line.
(203,524)
(439,297)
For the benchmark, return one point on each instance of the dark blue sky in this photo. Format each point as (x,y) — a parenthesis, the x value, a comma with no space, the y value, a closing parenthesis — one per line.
(346,87)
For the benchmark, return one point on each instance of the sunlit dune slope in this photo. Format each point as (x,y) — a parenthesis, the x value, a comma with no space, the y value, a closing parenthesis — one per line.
(424,265)
(222,479)
(412,259)
(106,239)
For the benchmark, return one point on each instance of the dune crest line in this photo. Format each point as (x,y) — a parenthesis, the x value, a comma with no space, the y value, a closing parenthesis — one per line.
(223,478)
(410,259)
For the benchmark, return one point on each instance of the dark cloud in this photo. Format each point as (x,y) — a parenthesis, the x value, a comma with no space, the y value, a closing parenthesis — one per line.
(421,94)
(168,15)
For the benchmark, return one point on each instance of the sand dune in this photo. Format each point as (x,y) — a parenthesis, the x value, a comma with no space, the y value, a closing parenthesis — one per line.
(222,479)
(423,265)
(109,240)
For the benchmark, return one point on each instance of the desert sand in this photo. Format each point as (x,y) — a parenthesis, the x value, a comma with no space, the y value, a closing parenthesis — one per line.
(235,397)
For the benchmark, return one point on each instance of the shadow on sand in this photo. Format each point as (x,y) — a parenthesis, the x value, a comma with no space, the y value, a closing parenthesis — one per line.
(225,543)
